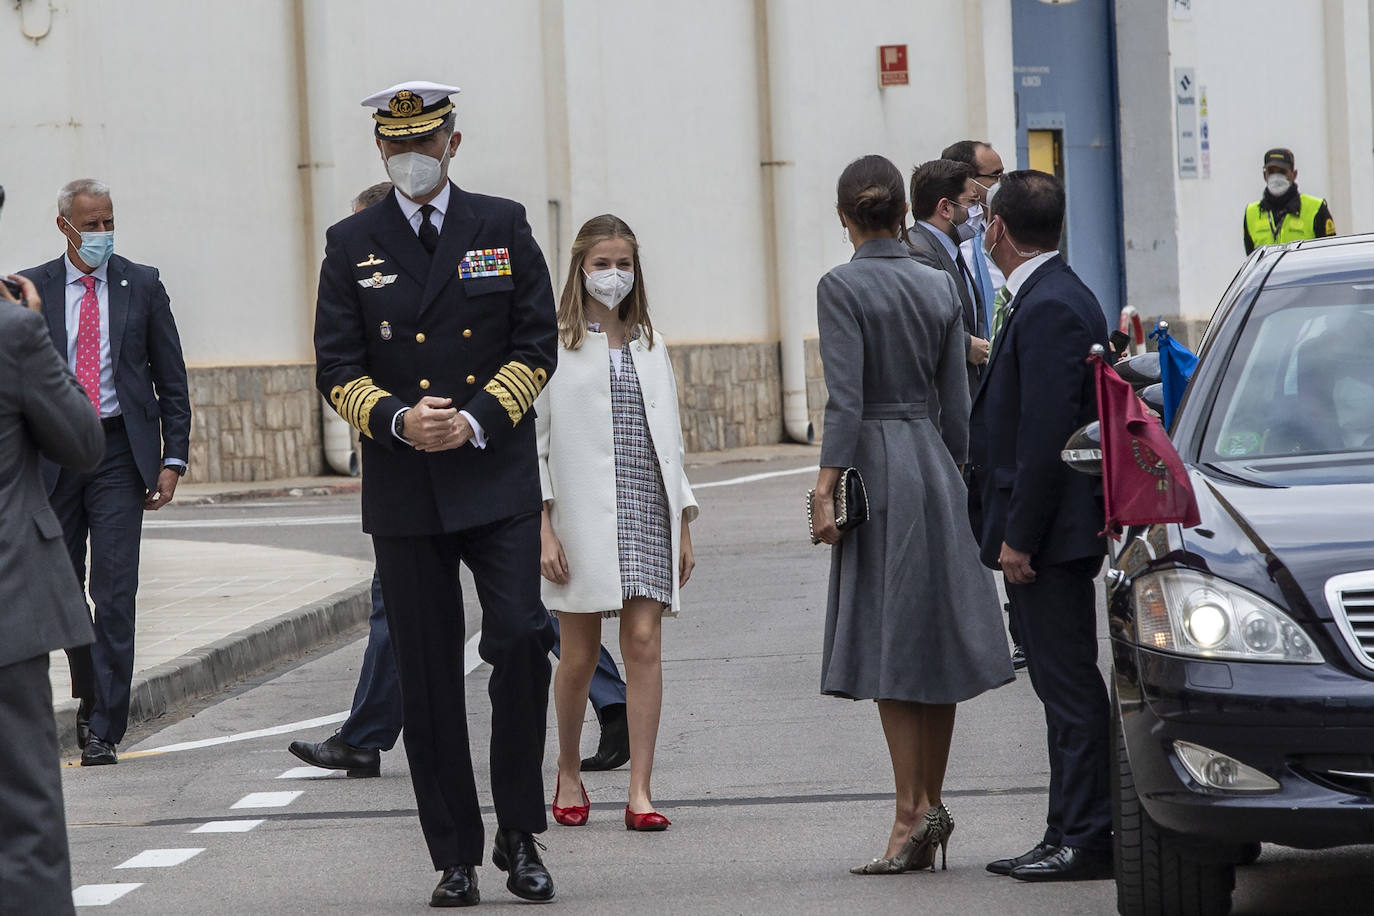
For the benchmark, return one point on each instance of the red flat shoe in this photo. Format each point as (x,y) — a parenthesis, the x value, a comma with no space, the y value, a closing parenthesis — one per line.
(648,821)
(573,815)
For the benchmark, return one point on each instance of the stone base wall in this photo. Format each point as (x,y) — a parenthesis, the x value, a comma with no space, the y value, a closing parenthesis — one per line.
(263,422)
(254,423)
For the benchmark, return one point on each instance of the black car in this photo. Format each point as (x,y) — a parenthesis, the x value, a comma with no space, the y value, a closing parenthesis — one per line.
(1243,648)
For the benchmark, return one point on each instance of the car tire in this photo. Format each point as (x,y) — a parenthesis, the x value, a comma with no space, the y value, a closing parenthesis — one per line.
(1155,873)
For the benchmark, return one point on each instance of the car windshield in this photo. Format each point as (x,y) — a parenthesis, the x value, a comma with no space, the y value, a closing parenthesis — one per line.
(1298,398)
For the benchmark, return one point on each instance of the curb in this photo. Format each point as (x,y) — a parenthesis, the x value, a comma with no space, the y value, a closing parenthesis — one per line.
(210,669)
(352,485)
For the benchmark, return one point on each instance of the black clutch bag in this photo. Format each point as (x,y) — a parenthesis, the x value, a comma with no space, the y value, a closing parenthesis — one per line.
(851,503)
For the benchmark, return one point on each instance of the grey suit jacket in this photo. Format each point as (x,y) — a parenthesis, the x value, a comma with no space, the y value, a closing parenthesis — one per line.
(149,371)
(926,248)
(41,408)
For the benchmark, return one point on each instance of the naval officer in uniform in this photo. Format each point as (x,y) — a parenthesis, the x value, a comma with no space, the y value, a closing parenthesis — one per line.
(434,333)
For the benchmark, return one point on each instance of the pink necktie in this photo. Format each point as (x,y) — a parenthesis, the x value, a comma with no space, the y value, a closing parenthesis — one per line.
(88,344)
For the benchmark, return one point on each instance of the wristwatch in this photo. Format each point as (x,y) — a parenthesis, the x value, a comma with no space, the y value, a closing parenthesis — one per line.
(398,425)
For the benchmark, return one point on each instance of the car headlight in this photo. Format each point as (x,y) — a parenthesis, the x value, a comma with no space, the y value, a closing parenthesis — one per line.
(1192,613)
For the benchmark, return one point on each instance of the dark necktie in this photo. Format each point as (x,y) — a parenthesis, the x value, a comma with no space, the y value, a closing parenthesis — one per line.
(972,286)
(429,236)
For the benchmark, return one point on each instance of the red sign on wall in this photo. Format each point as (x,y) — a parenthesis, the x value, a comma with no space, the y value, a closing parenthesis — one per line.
(892,65)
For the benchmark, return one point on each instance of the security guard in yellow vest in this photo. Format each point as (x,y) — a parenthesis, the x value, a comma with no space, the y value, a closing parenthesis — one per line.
(1282,214)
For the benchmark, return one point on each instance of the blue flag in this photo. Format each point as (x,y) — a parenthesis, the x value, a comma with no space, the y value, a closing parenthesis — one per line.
(1176,365)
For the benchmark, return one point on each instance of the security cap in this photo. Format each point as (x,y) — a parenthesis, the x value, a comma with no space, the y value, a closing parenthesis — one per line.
(1279,156)
(410,110)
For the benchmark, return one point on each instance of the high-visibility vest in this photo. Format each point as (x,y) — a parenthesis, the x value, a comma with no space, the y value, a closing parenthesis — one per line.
(1291,229)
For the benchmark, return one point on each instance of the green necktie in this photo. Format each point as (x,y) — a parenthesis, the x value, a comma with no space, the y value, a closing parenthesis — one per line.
(999,310)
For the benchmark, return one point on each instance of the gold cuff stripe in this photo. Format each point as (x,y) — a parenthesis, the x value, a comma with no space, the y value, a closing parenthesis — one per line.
(354,402)
(503,397)
(388,120)
(519,387)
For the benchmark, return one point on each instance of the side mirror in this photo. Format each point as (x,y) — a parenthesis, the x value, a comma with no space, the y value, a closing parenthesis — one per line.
(1153,396)
(1140,370)
(1083,451)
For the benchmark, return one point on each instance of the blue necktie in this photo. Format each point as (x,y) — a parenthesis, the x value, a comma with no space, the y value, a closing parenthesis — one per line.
(982,278)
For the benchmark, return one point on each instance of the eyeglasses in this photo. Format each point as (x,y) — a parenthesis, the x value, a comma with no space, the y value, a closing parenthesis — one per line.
(996,176)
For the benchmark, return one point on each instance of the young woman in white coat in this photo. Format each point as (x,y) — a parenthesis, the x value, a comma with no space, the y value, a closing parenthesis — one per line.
(617,504)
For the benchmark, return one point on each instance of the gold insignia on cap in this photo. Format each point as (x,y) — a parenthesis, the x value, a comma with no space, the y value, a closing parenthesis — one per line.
(405,103)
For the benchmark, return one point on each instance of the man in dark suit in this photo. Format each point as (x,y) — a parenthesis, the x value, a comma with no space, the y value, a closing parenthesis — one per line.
(942,191)
(42,408)
(434,332)
(1039,522)
(110,319)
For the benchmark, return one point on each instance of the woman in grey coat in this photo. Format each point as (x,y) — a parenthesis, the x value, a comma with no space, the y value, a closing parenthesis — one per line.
(912,619)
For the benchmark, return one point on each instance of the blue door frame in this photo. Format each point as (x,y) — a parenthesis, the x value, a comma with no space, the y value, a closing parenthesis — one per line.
(1064,58)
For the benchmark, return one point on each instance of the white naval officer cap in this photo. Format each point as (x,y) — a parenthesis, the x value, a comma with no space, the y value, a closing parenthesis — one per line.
(410,110)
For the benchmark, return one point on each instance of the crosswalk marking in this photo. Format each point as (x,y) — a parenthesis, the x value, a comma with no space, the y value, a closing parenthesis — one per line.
(101,894)
(236,826)
(310,773)
(266,800)
(161,858)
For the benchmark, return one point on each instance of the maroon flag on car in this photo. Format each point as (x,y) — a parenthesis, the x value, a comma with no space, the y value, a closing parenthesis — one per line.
(1143,478)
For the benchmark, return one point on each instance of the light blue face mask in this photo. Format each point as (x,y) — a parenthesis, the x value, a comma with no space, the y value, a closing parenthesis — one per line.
(96,247)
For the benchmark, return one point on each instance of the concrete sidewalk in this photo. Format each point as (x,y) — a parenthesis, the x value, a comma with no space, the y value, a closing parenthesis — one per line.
(212,614)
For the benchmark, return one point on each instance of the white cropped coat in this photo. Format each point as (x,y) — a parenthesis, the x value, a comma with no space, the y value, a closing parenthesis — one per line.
(577,467)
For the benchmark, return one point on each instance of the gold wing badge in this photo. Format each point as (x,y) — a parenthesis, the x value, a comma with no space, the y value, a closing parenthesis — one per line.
(377,280)
(372,261)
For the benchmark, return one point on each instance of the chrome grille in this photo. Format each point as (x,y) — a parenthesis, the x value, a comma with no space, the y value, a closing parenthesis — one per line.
(1351,599)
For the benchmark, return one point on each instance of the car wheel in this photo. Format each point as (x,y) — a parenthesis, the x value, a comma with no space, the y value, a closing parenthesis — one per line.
(1155,873)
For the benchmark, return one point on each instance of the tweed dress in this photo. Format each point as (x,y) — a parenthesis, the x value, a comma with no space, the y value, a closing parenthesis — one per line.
(643,536)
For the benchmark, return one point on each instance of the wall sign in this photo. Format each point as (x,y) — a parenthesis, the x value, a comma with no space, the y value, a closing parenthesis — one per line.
(892,70)
(1185,115)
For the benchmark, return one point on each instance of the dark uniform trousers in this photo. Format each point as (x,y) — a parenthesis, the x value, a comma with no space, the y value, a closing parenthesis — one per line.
(424,609)
(1056,620)
(105,505)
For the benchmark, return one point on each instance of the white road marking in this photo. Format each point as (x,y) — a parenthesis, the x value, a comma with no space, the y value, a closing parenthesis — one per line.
(243,736)
(161,858)
(310,773)
(471,659)
(266,800)
(280,521)
(239,826)
(101,894)
(748,479)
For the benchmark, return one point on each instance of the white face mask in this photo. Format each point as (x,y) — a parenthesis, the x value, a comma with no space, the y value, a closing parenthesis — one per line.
(415,174)
(973,225)
(1278,184)
(609,286)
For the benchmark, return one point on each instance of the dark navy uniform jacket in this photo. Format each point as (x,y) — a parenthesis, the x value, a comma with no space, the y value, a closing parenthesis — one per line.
(475,323)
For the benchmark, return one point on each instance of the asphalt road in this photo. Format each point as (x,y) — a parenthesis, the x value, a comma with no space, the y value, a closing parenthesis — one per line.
(774,790)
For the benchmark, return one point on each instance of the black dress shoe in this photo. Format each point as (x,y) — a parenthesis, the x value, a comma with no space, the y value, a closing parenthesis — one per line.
(333,753)
(83,723)
(1068,863)
(1018,657)
(1004,866)
(458,887)
(517,852)
(614,748)
(98,753)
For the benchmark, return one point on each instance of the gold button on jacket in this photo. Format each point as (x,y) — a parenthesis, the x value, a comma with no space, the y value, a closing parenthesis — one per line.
(420,338)
(467,332)
(424,384)
(472,380)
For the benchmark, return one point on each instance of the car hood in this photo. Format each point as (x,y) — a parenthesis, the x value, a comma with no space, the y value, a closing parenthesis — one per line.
(1284,542)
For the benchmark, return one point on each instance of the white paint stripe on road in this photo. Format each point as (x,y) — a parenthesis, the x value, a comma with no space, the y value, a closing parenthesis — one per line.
(161,858)
(238,826)
(749,478)
(266,800)
(471,658)
(243,736)
(101,894)
(267,521)
(310,773)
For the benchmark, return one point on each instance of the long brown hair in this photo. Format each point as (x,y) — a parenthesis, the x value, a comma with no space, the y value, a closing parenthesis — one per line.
(634,310)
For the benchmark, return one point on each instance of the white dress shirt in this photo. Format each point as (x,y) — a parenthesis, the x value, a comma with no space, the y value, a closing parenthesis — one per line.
(109,403)
(411,211)
(970,249)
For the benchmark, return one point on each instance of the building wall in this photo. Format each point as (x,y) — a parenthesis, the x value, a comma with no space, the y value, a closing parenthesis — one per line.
(230,149)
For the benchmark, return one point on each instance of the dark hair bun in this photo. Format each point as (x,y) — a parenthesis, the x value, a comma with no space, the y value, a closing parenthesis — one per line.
(870,194)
